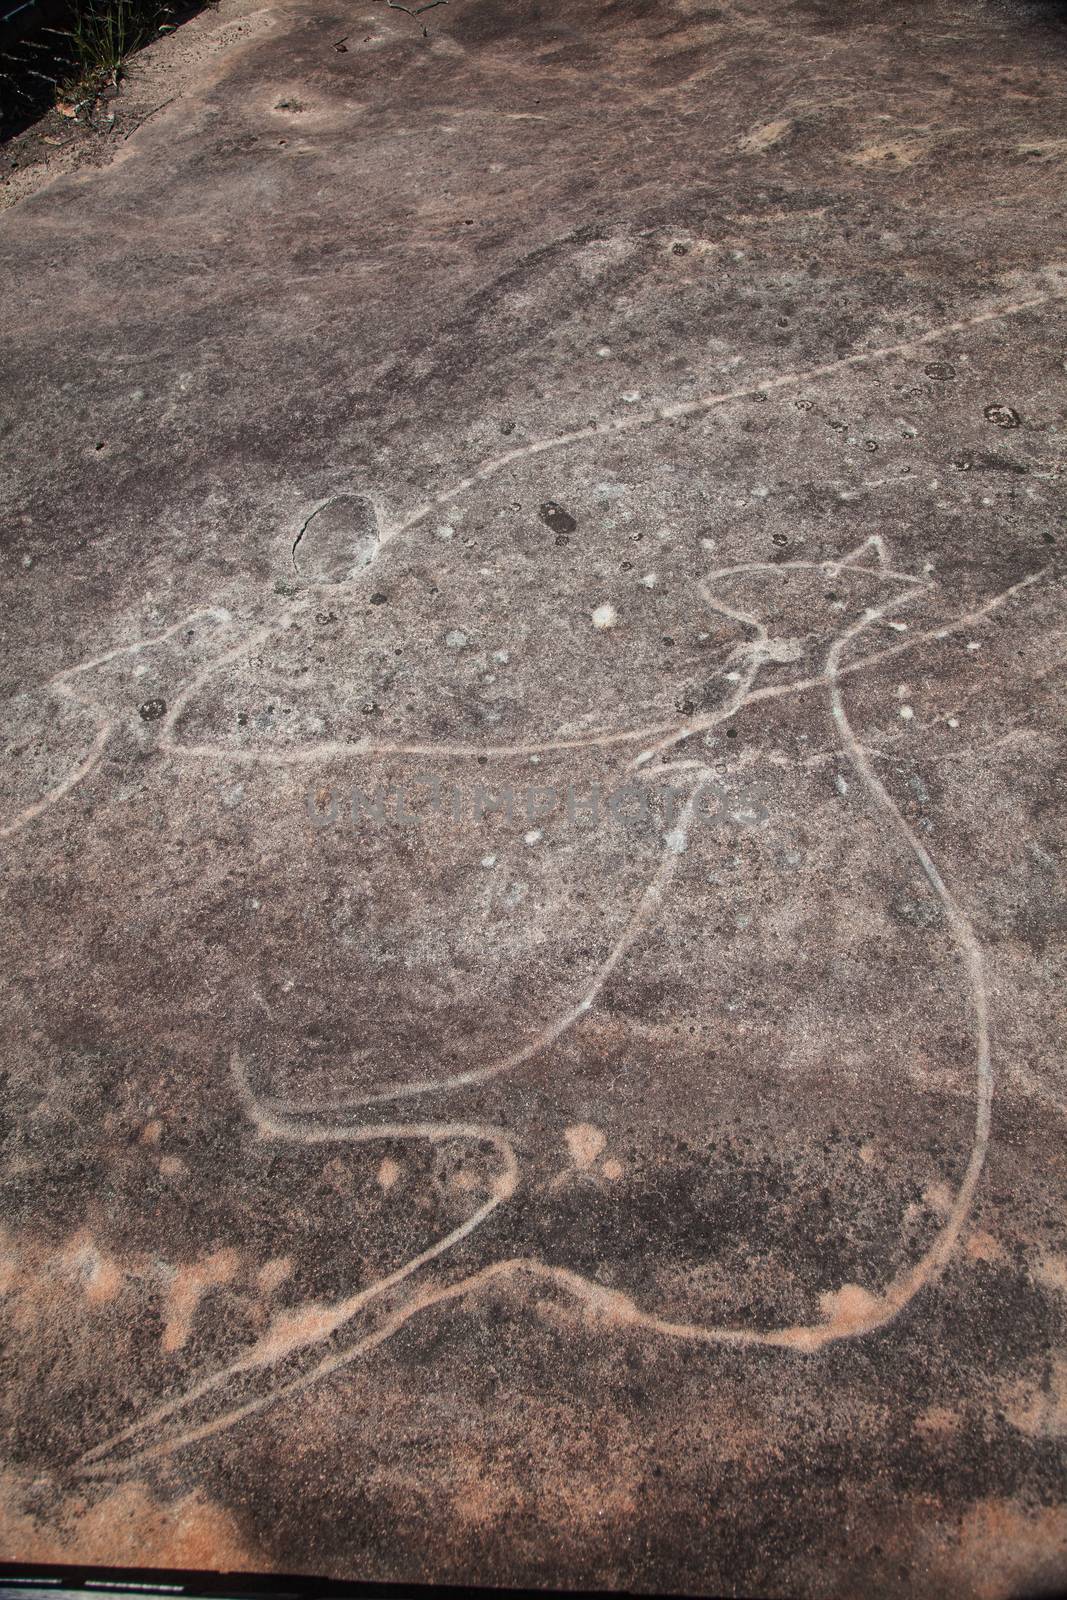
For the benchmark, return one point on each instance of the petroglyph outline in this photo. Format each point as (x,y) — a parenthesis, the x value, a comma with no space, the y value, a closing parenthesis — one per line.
(61,680)
(874,1310)
(292,1120)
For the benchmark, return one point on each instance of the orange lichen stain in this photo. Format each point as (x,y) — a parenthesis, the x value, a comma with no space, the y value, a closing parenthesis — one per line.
(982,1246)
(609,1307)
(1051,1272)
(611,1169)
(1002,1550)
(128,1527)
(849,1308)
(585,1143)
(104,1281)
(1038,1407)
(294,1327)
(152,1132)
(187,1287)
(272,1274)
(388,1173)
(100,1276)
(939,1197)
(937,1420)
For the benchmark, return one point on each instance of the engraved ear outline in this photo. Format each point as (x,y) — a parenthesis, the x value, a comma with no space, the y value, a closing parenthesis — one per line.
(858,557)
(873,541)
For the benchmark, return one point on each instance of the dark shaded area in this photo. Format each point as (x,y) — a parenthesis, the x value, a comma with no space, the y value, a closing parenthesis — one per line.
(46,44)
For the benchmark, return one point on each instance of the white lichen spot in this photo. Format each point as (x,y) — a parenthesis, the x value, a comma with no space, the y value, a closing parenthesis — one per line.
(760,492)
(489,861)
(840,783)
(533,837)
(649,581)
(445,531)
(631,396)
(455,639)
(974,645)
(605,616)
(906,713)
(676,842)
(783,651)
(953,722)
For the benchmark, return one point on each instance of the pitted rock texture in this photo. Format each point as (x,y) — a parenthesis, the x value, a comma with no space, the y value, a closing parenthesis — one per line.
(531,816)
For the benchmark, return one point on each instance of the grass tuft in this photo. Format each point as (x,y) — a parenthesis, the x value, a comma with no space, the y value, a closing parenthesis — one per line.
(74,51)
(102,34)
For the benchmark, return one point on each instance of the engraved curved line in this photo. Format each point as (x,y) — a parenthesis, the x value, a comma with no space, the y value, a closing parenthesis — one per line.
(618,1309)
(488,469)
(648,903)
(59,683)
(274,1125)
(538,447)
(708,402)
(601,739)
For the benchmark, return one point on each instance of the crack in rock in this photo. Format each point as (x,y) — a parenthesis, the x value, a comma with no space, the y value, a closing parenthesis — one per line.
(337,540)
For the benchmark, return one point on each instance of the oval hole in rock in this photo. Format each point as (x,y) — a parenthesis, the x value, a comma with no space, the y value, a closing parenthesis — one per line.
(337,541)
